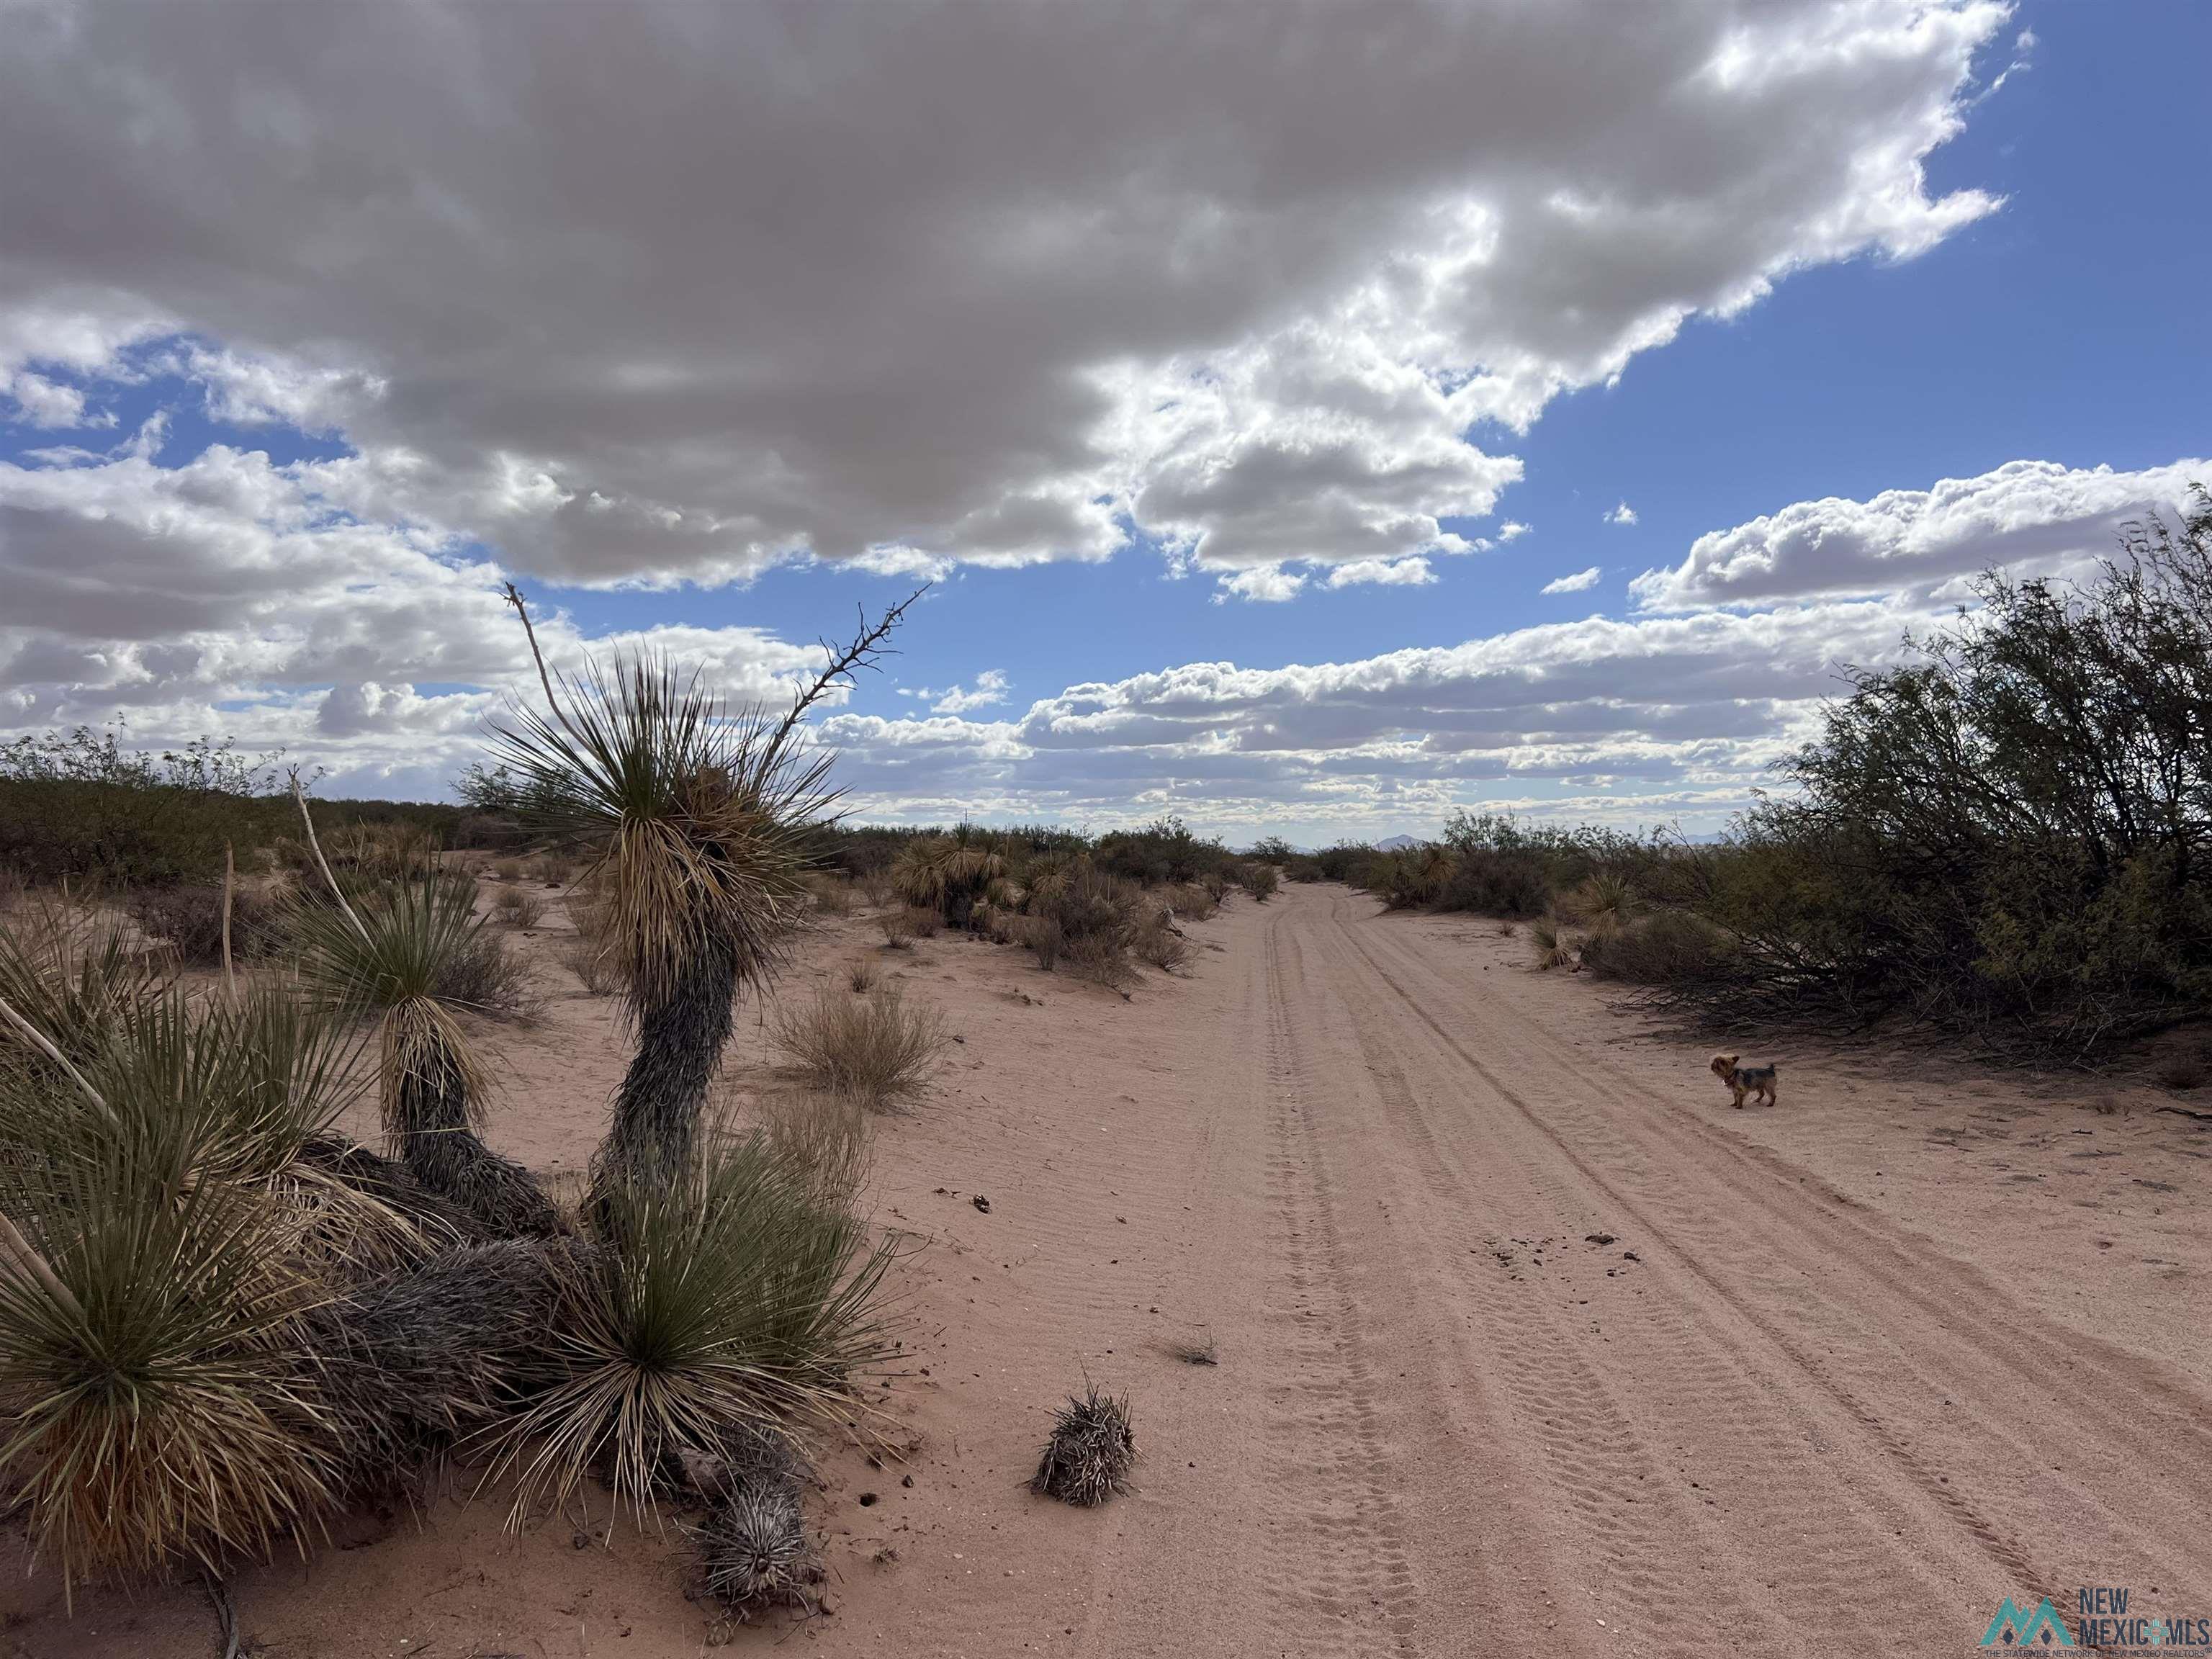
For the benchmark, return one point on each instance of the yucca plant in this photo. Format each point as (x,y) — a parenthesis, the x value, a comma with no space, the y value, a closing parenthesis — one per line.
(1602,902)
(697,823)
(1553,948)
(167,1230)
(951,875)
(157,1415)
(390,954)
(744,1290)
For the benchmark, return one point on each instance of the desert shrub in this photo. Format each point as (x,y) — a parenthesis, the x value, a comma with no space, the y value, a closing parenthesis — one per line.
(1164,850)
(1259,880)
(484,976)
(861,974)
(79,804)
(1494,884)
(1042,938)
(188,919)
(517,907)
(897,927)
(1303,868)
(1346,861)
(1081,916)
(921,923)
(833,895)
(508,869)
(1158,943)
(593,968)
(871,1048)
(1191,900)
(2006,838)
(1662,948)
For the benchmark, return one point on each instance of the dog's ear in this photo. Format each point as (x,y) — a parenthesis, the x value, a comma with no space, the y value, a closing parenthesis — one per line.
(1734,1059)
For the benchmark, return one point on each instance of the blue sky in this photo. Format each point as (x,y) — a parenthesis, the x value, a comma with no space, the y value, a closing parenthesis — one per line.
(1105,387)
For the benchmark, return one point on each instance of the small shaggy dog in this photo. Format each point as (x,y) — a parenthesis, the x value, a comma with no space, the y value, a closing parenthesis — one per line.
(1757,1081)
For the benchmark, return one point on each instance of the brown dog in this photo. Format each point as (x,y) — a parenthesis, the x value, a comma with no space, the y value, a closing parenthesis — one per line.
(1757,1081)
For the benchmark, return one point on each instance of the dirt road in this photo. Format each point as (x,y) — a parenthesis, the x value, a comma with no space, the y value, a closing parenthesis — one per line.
(1528,1344)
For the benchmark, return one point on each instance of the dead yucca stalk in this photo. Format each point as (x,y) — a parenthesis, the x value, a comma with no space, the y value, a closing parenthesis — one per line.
(697,823)
(1089,1454)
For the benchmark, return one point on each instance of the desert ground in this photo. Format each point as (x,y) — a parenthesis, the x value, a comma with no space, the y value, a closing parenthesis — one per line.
(1528,1343)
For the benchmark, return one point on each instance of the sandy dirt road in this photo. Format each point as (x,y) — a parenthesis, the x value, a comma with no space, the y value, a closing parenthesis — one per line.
(1528,1344)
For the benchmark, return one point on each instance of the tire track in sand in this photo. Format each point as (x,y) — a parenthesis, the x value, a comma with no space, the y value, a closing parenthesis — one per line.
(1339,1581)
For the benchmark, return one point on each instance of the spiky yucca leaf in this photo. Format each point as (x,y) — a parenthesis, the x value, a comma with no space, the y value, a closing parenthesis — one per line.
(746,1289)
(72,972)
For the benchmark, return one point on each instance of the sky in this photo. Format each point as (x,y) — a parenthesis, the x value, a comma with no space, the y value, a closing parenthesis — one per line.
(1309,419)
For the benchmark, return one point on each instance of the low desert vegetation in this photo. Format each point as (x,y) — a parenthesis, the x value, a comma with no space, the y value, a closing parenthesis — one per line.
(2006,839)
(518,907)
(874,1049)
(222,1321)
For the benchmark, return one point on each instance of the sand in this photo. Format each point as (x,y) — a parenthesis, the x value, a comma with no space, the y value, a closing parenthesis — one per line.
(1528,1344)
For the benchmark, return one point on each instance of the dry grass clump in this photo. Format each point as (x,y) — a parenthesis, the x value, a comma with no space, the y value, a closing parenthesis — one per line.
(898,930)
(508,869)
(921,923)
(833,894)
(1192,902)
(1160,942)
(517,907)
(2188,1063)
(861,974)
(1089,1454)
(588,960)
(872,1049)
(1199,1349)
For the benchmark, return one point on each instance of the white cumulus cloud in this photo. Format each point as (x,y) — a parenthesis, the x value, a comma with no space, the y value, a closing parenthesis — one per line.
(1581,582)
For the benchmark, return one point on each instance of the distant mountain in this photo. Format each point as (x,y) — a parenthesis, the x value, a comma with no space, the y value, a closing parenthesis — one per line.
(1396,841)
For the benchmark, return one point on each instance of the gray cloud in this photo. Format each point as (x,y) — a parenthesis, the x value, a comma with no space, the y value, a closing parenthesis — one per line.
(661,291)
